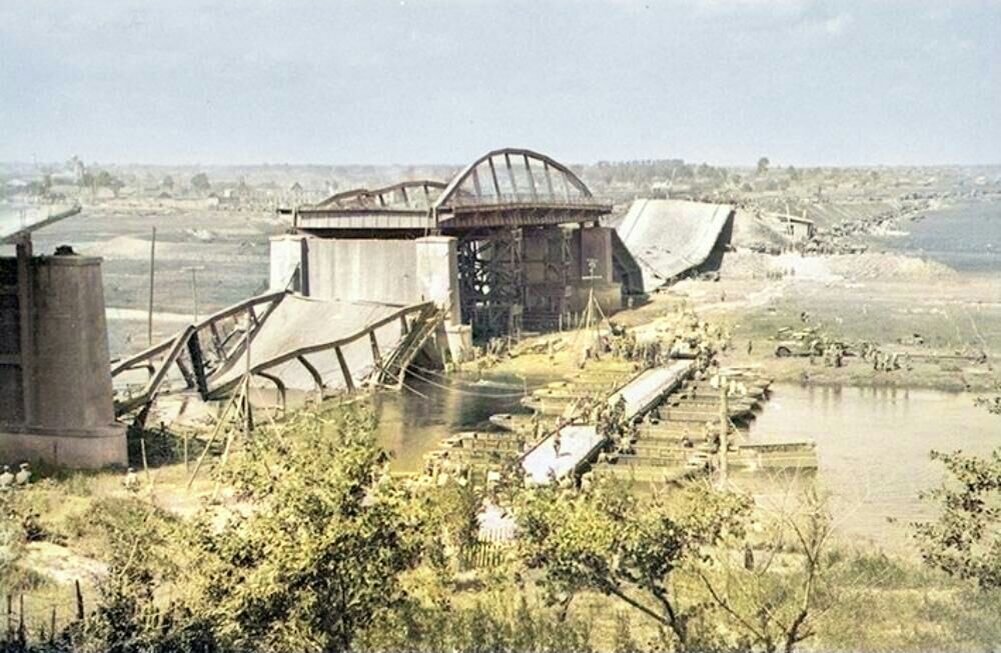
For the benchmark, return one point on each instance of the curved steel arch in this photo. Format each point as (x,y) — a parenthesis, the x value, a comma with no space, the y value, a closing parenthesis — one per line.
(375,198)
(453,187)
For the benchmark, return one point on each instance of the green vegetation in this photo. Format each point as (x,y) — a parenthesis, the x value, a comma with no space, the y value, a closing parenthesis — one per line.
(965,540)
(200,182)
(313,546)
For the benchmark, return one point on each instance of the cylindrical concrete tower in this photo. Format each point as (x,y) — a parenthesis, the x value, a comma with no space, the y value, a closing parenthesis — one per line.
(72,419)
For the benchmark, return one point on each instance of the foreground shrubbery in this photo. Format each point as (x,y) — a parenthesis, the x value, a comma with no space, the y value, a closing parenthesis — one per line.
(319,549)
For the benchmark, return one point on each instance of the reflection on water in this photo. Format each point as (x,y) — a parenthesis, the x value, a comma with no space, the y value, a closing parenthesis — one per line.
(873,448)
(414,421)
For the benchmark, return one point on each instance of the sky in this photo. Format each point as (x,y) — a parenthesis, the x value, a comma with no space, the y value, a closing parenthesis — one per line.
(804,82)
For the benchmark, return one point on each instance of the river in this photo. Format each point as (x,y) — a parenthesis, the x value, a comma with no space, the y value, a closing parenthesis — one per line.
(965,236)
(873,448)
(414,421)
(873,444)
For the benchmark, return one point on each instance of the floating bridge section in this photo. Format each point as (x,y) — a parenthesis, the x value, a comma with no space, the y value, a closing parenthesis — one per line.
(564,451)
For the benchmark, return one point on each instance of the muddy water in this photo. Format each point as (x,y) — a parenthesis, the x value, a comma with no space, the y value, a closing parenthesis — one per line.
(414,421)
(872,444)
(873,449)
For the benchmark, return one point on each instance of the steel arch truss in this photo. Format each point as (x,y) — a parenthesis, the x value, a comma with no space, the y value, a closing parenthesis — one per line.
(418,195)
(510,177)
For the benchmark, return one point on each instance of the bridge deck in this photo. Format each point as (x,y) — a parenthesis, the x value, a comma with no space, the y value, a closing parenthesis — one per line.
(578,443)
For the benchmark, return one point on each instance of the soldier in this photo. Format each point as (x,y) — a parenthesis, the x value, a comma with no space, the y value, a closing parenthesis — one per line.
(23,477)
(6,479)
(556,442)
(536,426)
(131,481)
(750,347)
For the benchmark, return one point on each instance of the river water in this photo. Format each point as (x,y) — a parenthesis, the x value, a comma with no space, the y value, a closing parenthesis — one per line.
(873,444)
(873,448)
(414,421)
(966,237)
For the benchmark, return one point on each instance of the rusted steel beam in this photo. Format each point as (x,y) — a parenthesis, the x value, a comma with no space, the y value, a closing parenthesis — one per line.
(280,385)
(531,179)
(476,184)
(348,381)
(493,174)
(510,175)
(153,385)
(363,195)
(317,379)
(230,311)
(376,355)
(197,364)
(217,340)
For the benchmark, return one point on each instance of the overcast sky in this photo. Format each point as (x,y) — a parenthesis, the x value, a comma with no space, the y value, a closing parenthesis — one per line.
(724,81)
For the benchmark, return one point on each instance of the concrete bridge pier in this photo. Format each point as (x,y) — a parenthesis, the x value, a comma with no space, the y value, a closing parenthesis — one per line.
(57,400)
(389,270)
(438,281)
(595,270)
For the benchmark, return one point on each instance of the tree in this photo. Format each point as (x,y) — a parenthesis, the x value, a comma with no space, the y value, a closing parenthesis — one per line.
(200,182)
(105,179)
(319,559)
(965,540)
(763,164)
(774,601)
(128,618)
(167,182)
(606,540)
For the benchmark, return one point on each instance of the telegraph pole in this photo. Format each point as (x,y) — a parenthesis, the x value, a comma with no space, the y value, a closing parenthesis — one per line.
(152,261)
(194,270)
(592,264)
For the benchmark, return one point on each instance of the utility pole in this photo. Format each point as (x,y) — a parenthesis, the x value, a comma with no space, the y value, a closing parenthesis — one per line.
(152,262)
(194,270)
(724,428)
(592,264)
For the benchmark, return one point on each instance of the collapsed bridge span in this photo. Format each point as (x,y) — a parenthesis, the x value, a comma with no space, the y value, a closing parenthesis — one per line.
(290,341)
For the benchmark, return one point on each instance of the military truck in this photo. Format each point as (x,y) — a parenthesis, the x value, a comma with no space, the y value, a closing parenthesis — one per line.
(805,342)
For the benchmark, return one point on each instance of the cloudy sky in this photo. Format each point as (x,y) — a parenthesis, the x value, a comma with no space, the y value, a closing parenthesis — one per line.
(725,81)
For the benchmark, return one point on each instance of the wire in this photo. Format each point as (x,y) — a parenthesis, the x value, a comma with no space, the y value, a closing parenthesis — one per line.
(489,395)
(416,392)
(447,377)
